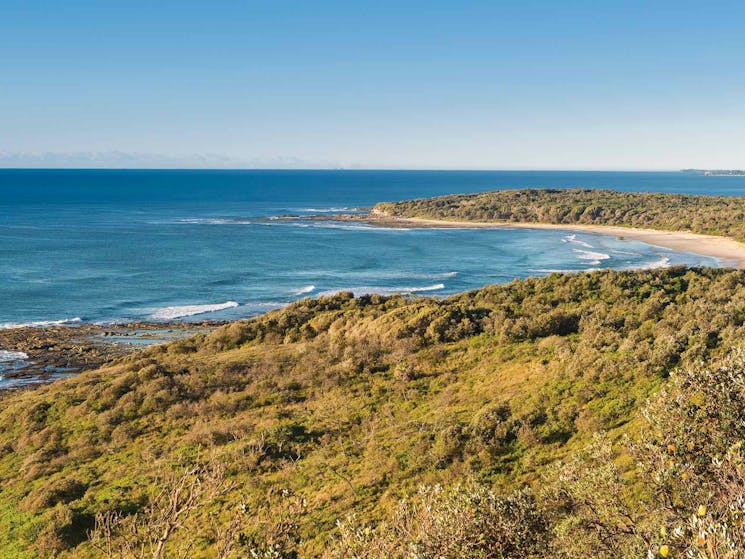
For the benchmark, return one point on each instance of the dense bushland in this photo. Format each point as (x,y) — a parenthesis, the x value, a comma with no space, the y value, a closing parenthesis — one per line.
(300,432)
(683,497)
(716,215)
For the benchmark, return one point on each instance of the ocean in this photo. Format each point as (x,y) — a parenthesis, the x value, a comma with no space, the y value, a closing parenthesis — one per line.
(122,245)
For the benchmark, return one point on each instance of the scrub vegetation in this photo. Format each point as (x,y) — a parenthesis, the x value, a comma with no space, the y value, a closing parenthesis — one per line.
(595,414)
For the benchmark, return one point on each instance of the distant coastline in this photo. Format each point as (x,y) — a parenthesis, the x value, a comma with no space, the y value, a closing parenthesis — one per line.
(716,172)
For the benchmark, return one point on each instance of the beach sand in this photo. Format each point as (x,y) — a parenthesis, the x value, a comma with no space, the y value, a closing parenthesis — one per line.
(731,252)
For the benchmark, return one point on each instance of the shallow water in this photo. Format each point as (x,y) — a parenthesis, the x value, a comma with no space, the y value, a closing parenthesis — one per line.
(17,361)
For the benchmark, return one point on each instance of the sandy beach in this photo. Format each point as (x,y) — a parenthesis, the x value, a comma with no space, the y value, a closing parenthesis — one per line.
(731,252)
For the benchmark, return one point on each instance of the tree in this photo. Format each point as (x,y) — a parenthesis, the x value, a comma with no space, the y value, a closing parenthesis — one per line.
(161,529)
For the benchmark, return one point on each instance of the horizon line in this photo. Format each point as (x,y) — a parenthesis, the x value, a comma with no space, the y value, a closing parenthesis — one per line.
(357,169)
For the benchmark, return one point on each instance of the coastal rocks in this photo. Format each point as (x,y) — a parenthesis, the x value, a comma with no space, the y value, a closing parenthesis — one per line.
(56,351)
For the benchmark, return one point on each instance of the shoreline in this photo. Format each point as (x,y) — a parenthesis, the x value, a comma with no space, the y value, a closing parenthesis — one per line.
(32,355)
(54,351)
(726,249)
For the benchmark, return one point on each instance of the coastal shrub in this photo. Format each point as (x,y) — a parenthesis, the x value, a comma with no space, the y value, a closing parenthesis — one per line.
(65,529)
(683,495)
(693,458)
(466,520)
(47,495)
(493,427)
(686,497)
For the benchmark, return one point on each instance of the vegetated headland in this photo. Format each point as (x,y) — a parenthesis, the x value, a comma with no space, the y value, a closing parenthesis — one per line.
(591,414)
(716,172)
(710,225)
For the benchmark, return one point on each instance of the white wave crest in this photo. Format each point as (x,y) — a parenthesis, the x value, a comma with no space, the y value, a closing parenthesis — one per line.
(169,313)
(590,255)
(39,323)
(11,361)
(583,243)
(551,271)
(281,221)
(349,227)
(573,239)
(11,356)
(367,290)
(324,210)
(303,290)
(341,225)
(435,287)
(625,252)
(663,262)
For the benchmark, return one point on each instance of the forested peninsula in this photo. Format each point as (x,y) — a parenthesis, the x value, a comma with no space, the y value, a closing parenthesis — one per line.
(596,414)
(709,215)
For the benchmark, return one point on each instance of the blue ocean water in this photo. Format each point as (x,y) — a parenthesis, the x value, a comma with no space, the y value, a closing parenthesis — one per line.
(106,246)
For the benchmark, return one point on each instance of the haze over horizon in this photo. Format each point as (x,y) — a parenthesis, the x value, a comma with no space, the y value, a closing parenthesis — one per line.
(421,85)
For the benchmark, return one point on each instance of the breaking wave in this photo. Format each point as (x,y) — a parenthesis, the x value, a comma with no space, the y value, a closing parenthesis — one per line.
(10,356)
(326,210)
(303,290)
(39,323)
(169,313)
(663,262)
(367,290)
(593,257)
(573,239)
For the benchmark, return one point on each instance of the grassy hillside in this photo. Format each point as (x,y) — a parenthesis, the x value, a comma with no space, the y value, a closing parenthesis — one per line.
(345,405)
(716,215)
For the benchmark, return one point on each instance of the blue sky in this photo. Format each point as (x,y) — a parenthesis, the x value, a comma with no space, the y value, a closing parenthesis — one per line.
(406,84)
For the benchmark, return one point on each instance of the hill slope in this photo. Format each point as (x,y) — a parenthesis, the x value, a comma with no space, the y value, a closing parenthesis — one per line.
(350,403)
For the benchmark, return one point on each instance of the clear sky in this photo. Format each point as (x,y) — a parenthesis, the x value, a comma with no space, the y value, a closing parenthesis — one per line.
(557,84)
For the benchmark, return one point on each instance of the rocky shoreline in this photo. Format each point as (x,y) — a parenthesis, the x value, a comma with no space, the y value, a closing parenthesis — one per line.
(57,351)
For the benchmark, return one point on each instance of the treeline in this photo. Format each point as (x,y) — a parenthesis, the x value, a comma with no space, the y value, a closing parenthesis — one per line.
(715,215)
(298,433)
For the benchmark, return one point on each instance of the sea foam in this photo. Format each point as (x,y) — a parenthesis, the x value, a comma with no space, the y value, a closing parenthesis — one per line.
(11,361)
(593,257)
(350,227)
(573,239)
(551,270)
(325,210)
(303,290)
(663,262)
(39,323)
(11,356)
(170,313)
(367,290)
